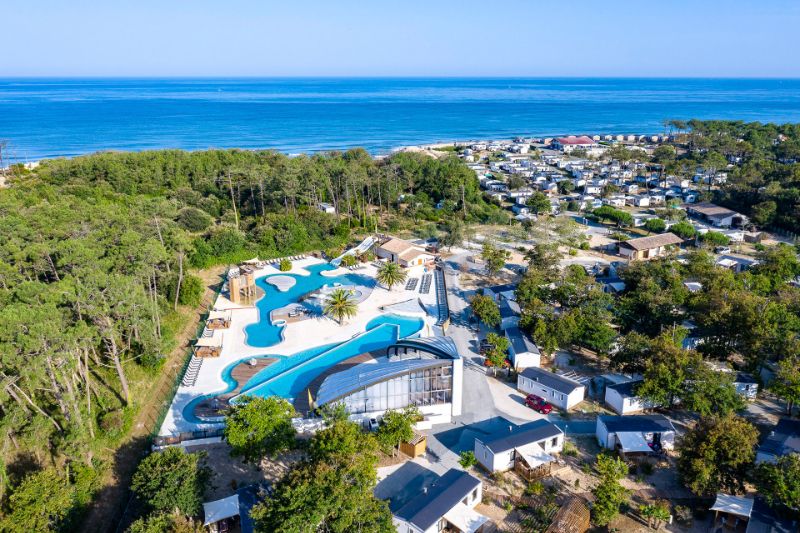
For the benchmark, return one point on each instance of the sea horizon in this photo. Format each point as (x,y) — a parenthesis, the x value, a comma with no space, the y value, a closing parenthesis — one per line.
(47,117)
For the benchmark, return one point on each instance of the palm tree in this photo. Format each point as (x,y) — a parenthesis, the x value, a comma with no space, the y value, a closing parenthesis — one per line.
(340,305)
(390,274)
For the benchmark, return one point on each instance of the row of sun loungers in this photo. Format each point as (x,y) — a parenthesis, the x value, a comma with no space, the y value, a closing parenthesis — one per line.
(411,284)
(425,286)
(192,371)
(207,332)
(277,261)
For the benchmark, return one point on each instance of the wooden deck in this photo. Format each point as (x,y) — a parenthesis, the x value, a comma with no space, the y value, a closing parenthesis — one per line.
(241,374)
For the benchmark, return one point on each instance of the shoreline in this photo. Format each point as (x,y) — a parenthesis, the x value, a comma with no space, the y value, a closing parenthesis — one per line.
(421,147)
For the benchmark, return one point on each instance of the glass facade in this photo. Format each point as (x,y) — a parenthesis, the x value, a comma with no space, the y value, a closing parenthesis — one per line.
(429,386)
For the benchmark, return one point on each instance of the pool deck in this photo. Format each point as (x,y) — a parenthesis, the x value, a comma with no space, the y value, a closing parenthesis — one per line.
(297,336)
(241,373)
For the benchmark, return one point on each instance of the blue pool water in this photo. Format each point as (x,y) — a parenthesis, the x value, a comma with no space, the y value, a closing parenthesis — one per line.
(263,333)
(289,376)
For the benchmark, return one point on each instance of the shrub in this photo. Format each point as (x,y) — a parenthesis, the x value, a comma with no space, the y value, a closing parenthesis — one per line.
(683,515)
(534,489)
(285,265)
(192,290)
(584,245)
(647,469)
(467,459)
(349,260)
(570,450)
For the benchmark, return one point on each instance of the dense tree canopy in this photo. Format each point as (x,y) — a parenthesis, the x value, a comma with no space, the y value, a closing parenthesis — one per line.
(331,491)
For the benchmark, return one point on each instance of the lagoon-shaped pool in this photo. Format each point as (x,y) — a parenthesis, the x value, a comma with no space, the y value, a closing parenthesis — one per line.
(290,375)
(263,333)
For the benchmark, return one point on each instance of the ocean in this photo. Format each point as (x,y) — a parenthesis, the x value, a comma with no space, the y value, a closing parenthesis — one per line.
(44,118)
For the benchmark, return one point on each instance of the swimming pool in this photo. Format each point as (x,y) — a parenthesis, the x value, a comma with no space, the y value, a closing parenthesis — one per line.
(290,375)
(263,333)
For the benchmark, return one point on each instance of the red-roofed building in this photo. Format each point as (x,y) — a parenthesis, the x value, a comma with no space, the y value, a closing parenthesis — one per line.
(572,142)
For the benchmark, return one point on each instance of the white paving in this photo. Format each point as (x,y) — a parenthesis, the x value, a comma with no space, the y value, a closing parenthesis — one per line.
(297,336)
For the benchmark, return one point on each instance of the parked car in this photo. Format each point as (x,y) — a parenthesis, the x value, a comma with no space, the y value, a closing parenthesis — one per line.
(722,249)
(538,404)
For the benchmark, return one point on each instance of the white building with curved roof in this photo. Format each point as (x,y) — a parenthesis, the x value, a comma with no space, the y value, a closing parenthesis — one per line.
(423,372)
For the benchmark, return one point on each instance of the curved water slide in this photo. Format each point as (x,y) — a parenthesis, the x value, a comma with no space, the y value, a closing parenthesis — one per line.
(365,245)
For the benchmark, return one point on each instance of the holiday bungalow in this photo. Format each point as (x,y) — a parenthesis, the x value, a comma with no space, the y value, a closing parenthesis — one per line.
(523,351)
(561,391)
(404,253)
(648,247)
(717,216)
(635,435)
(622,398)
(783,439)
(527,449)
(448,504)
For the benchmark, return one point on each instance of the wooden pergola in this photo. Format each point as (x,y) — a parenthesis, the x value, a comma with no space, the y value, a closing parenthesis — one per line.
(528,472)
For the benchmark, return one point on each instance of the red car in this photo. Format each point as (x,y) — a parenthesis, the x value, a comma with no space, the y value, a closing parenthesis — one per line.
(538,404)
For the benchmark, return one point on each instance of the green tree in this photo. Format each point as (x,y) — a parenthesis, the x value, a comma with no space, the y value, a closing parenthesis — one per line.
(467,459)
(453,233)
(331,491)
(683,229)
(193,219)
(655,513)
(667,371)
(715,455)
(259,427)
(494,257)
(538,203)
(655,225)
(41,502)
(763,214)
(396,427)
(499,350)
(340,305)
(544,260)
(710,392)
(172,479)
(391,274)
(609,495)
(486,309)
(285,265)
(349,260)
(192,290)
(779,482)
(163,522)
(714,238)
(787,382)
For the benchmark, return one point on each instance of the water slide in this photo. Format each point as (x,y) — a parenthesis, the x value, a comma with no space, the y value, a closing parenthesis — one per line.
(365,245)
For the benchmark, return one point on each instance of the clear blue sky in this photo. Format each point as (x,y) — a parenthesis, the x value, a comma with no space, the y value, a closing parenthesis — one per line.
(699,38)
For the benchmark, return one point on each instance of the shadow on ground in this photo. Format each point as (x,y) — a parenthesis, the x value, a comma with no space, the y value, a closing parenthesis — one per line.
(462,438)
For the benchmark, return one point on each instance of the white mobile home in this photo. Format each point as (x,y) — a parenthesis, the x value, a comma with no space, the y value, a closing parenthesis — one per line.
(622,398)
(560,391)
(532,443)
(635,434)
(448,504)
(523,351)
